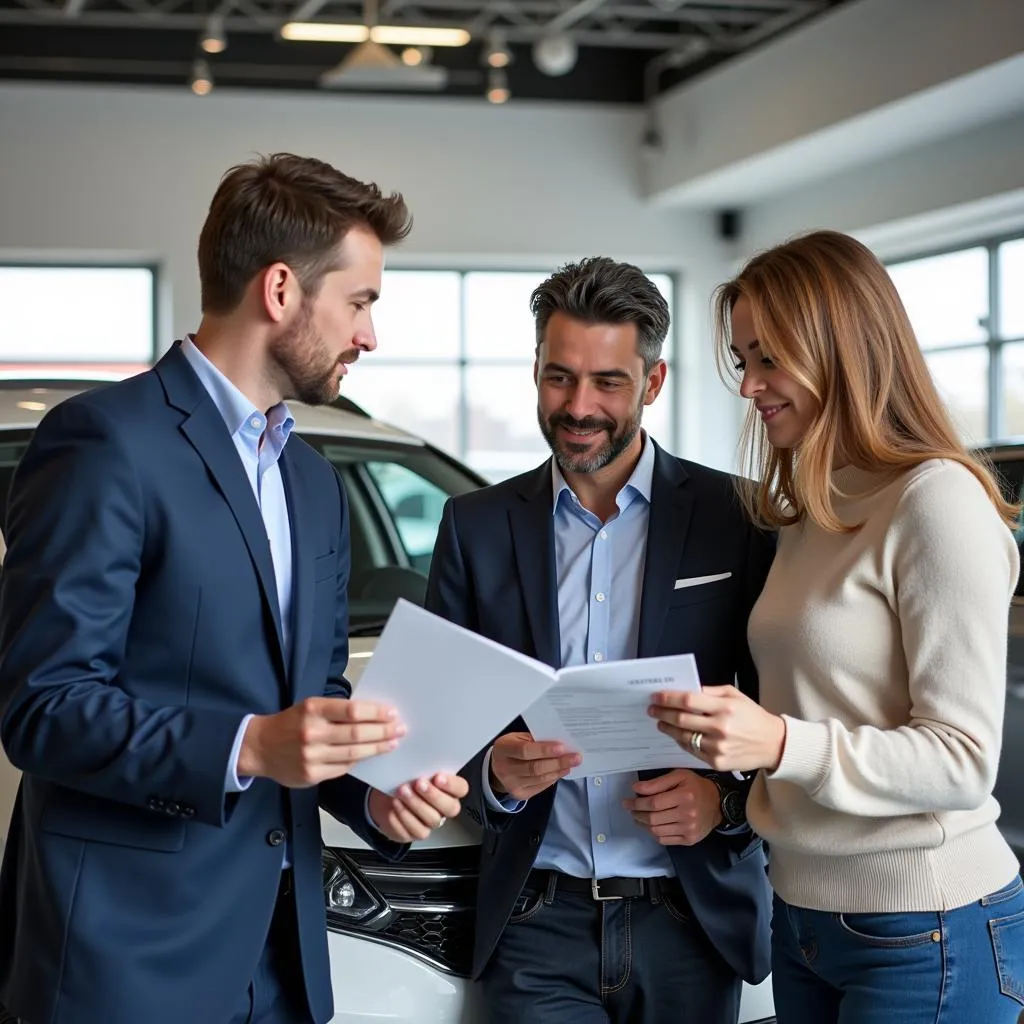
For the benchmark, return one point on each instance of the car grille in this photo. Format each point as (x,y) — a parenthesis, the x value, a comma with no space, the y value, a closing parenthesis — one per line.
(444,939)
(425,904)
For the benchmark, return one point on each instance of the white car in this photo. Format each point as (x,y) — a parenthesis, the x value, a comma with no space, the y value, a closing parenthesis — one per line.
(400,935)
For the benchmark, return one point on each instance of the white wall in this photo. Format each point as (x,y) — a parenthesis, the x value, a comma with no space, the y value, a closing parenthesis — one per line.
(101,172)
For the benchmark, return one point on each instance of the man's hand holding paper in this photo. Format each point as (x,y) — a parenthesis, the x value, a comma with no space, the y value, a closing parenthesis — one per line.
(522,767)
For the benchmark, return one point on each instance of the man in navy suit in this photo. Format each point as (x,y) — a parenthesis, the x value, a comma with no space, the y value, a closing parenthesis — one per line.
(173,638)
(625,899)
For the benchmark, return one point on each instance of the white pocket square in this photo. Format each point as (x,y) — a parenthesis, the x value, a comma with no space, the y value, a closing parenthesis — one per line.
(696,581)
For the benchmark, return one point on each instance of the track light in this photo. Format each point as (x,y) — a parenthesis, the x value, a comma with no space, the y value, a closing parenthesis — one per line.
(213,39)
(202,80)
(414,56)
(497,54)
(497,86)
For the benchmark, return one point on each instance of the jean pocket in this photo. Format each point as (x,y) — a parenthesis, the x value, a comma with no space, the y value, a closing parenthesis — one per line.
(892,931)
(1008,946)
(1007,892)
(678,907)
(528,905)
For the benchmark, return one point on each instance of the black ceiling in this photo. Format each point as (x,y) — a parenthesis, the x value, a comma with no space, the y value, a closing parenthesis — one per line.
(628,50)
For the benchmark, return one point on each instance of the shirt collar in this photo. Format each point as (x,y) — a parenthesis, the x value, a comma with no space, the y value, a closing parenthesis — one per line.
(239,413)
(639,483)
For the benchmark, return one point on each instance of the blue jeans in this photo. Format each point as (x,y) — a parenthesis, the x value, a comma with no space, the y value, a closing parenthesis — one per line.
(566,959)
(963,966)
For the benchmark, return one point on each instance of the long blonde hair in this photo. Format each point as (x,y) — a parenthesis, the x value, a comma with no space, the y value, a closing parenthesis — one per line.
(827,313)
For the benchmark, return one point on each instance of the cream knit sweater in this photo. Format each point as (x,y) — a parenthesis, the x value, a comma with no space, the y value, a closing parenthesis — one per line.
(885,652)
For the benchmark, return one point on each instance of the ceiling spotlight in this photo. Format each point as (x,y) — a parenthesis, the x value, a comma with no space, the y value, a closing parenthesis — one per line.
(202,80)
(497,54)
(213,39)
(413,56)
(497,86)
(555,55)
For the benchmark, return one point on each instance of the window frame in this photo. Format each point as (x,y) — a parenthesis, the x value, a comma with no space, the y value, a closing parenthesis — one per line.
(995,342)
(155,310)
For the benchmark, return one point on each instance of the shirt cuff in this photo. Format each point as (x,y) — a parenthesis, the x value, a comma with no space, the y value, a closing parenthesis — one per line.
(368,815)
(506,806)
(232,783)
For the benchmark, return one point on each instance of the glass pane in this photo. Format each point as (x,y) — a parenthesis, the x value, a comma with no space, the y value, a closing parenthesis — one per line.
(417,315)
(946,296)
(499,324)
(76,314)
(415,505)
(421,399)
(666,285)
(504,438)
(962,380)
(1013,389)
(1011,289)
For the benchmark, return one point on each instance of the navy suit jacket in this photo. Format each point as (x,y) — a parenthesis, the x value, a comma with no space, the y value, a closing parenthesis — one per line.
(139,623)
(493,572)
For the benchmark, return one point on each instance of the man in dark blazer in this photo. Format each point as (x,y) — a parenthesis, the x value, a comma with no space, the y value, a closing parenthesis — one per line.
(173,638)
(608,899)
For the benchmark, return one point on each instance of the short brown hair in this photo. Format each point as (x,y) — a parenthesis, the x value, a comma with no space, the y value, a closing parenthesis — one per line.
(287,209)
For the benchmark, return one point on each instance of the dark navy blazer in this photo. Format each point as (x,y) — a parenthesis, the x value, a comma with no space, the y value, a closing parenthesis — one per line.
(138,625)
(493,571)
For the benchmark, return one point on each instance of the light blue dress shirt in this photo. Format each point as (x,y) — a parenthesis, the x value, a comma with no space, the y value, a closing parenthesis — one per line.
(599,569)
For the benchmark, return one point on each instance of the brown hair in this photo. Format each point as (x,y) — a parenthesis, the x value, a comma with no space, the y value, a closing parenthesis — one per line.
(827,313)
(287,209)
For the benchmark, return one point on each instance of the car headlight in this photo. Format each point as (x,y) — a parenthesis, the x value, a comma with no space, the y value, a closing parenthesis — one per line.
(349,899)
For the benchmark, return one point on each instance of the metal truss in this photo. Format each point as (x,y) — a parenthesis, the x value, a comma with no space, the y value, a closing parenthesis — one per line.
(690,28)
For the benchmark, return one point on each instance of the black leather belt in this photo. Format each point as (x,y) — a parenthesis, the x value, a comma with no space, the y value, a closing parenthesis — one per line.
(604,888)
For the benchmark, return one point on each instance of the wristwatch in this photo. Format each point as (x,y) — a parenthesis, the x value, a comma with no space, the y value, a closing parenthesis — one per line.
(733,805)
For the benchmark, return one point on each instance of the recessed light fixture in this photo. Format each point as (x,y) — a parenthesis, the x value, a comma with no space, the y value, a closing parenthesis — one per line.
(386,35)
(32,406)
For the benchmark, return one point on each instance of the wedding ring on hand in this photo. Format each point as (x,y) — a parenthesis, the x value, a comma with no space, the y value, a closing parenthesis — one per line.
(696,738)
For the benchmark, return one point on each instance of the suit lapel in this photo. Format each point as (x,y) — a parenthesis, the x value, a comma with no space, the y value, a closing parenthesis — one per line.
(206,431)
(303,556)
(533,540)
(671,509)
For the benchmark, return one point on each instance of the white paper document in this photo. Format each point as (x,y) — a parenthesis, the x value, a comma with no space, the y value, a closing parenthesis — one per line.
(600,712)
(455,691)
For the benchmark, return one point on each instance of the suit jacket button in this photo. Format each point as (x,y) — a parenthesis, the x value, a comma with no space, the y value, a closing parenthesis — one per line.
(275,837)
(171,808)
(155,804)
(188,812)
(535,839)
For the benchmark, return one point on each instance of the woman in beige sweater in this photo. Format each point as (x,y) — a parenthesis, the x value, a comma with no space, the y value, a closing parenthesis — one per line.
(880,641)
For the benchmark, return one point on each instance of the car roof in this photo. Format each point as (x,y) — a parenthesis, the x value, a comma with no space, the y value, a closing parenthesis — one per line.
(24,402)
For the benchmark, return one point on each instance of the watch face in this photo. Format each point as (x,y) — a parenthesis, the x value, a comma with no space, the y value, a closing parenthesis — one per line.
(734,808)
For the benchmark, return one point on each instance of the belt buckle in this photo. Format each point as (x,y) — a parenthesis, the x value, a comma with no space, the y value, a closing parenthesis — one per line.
(595,891)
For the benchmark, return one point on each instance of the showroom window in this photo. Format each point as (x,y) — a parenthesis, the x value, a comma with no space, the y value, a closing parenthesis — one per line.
(967,307)
(77,319)
(455,365)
